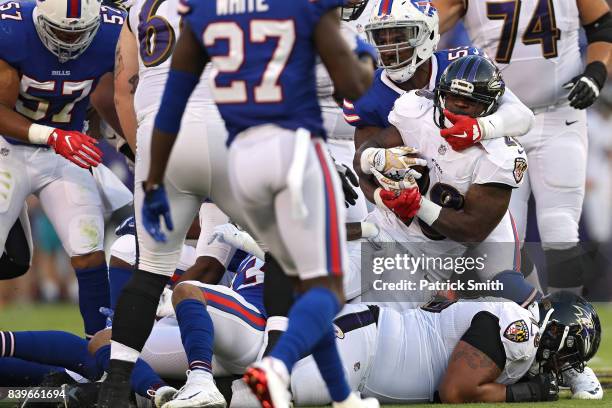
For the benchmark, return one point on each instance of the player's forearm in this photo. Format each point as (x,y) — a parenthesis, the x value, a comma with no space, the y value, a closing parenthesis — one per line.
(600,51)
(206,270)
(461,226)
(512,118)
(449,12)
(127,118)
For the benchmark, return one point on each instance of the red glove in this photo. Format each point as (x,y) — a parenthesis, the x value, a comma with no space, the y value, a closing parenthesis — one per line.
(465,132)
(405,205)
(76,147)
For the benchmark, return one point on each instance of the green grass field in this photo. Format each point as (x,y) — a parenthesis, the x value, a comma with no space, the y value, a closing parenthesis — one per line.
(67,317)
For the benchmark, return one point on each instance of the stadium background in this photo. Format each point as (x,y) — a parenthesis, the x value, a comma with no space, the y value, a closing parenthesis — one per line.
(45,298)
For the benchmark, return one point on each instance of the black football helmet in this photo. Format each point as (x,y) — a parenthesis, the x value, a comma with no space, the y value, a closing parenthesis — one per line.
(474,77)
(352,12)
(570,332)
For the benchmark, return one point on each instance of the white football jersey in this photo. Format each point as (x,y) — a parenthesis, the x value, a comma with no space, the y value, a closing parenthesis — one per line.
(364,18)
(500,160)
(156,39)
(534,43)
(413,348)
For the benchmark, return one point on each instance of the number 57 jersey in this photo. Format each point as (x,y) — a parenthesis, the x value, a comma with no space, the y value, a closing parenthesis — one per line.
(264,60)
(53,93)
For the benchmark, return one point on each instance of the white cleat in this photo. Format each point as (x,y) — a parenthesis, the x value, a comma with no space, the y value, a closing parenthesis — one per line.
(354,401)
(584,385)
(163,395)
(242,397)
(268,379)
(199,391)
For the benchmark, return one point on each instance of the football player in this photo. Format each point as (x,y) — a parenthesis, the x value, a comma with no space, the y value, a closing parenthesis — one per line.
(557,89)
(465,198)
(56,56)
(265,90)
(406,35)
(459,352)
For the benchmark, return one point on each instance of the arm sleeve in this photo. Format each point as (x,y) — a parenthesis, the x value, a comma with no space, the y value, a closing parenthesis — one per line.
(483,334)
(512,118)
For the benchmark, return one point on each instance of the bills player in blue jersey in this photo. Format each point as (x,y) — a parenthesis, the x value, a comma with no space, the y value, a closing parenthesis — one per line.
(406,35)
(56,56)
(264,53)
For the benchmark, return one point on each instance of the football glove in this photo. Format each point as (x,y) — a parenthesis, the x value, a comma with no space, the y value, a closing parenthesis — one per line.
(465,132)
(229,234)
(394,162)
(349,183)
(408,181)
(584,88)
(542,387)
(127,227)
(156,205)
(76,147)
(404,204)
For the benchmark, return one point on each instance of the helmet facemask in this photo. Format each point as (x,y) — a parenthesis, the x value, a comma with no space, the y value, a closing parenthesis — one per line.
(354,11)
(400,46)
(66,40)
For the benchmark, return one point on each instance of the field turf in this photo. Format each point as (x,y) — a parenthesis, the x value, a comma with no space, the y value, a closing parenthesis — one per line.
(66,317)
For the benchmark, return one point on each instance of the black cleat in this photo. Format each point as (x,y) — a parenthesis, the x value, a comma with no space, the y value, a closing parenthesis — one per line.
(53,379)
(81,395)
(115,394)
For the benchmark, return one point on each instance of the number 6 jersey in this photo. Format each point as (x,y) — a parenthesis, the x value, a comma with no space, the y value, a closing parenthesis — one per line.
(52,93)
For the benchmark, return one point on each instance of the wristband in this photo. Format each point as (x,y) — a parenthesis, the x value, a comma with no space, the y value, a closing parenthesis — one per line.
(369,230)
(522,392)
(429,211)
(597,70)
(39,134)
(364,160)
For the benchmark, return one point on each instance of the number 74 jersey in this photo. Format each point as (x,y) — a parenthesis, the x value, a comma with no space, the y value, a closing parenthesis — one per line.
(534,43)
(53,93)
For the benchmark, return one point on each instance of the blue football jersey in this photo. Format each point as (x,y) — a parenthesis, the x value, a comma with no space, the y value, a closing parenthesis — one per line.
(373,108)
(265,60)
(53,93)
(248,282)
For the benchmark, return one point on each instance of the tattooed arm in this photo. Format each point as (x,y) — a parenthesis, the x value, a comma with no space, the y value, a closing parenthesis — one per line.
(470,377)
(126,81)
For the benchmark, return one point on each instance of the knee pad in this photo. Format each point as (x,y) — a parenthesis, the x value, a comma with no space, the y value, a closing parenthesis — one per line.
(558,228)
(124,248)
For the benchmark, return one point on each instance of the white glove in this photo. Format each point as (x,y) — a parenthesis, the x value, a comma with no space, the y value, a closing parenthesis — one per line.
(229,234)
(407,181)
(165,308)
(394,162)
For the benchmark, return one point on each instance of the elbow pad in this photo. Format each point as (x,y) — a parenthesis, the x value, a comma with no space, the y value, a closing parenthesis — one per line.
(600,30)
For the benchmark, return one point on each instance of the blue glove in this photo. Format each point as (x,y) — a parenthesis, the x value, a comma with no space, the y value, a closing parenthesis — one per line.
(109,314)
(127,227)
(365,48)
(156,205)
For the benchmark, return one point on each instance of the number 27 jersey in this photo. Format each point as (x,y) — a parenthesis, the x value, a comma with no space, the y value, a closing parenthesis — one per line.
(264,59)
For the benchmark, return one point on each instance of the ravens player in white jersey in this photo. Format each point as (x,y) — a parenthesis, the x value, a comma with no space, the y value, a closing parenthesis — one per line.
(463,197)
(541,38)
(460,352)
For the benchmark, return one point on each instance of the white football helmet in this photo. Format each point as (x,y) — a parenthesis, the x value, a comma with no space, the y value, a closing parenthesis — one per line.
(67,27)
(398,27)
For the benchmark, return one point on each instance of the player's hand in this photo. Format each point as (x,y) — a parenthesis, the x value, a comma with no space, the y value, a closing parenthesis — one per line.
(349,183)
(156,205)
(229,234)
(466,131)
(127,227)
(165,308)
(584,90)
(404,205)
(76,147)
(394,162)
(408,181)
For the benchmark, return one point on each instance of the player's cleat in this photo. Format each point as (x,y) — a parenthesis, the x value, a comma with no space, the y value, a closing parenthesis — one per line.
(584,385)
(114,394)
(268,379)
(163,395)
(242,397)
(353,401)
(199,391)
(53,379)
